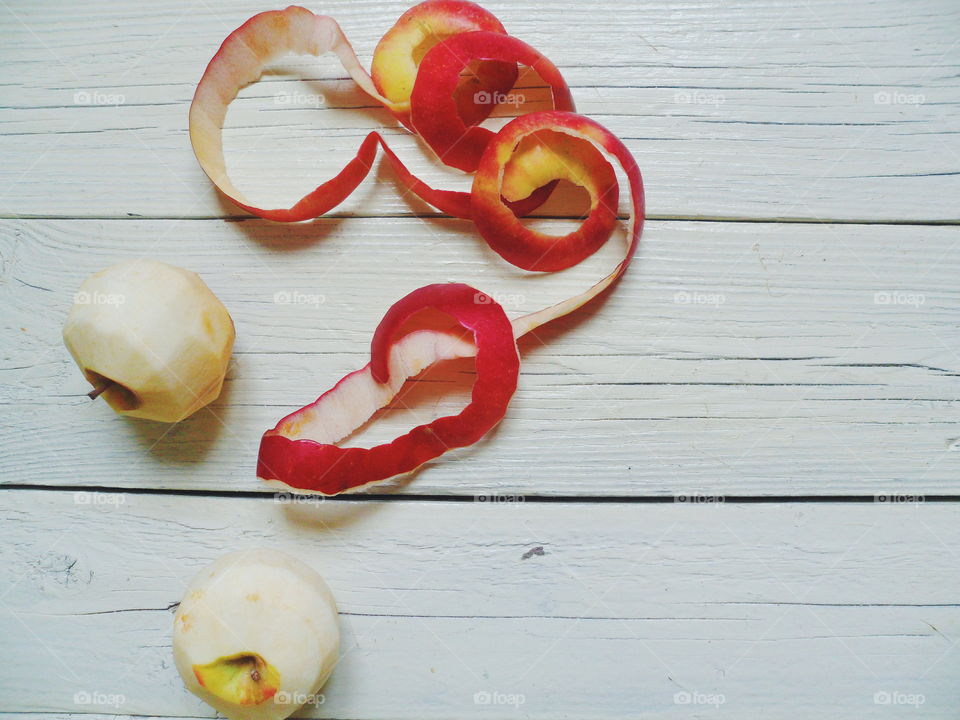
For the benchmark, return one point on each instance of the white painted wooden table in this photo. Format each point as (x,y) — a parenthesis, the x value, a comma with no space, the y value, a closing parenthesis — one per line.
(787,341)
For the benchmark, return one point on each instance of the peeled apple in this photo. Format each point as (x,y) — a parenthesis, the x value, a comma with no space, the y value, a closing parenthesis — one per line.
(151,338)
(256,635)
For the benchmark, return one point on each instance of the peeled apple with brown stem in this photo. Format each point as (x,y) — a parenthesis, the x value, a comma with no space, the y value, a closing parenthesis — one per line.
(256,635)
(151,338)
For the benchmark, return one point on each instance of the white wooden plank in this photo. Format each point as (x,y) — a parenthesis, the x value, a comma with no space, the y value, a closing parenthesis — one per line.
(74,716)
(798,382)
(786,611)
(734,109)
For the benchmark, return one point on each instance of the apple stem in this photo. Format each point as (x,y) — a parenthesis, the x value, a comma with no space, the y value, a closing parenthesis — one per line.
(99,390)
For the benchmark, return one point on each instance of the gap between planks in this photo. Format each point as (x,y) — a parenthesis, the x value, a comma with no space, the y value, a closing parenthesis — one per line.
(527,498)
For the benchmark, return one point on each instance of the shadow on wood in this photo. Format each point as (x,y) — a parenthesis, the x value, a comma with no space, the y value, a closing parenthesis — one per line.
(188,441)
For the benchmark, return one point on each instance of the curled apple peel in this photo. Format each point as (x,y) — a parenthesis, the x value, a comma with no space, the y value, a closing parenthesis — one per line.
(418,76)
(433,103)
(240,61)
(301,451)
(509,238)
(298,453)
(397,58)
(523,154)
(267,36)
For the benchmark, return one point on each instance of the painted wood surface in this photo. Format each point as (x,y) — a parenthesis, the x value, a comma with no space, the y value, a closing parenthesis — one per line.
(777,610)
(532,575)
(734,358)
(779,109)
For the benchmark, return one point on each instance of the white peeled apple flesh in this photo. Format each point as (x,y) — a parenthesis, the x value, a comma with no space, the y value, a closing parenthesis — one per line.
(256,635)
(152,338)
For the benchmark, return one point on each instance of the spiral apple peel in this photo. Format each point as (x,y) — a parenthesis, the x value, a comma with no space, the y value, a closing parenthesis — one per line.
(417,75)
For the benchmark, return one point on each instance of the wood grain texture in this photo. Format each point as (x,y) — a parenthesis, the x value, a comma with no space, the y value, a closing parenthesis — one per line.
(785,611)
(733,358)
(733,109)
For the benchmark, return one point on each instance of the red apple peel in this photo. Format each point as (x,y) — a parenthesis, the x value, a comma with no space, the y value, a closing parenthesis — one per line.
(397,58)
(241,60)
(516,170)
(433,106)
(300,451)
(323,467)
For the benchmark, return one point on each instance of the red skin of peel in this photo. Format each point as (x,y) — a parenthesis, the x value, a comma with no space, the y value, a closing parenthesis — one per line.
(590,130)
(518,244)
(490,76)
(434,111)
(330,469)
(327,196)
(303,451)
(298,29)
